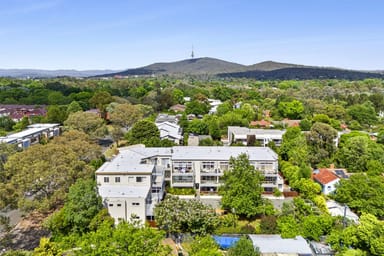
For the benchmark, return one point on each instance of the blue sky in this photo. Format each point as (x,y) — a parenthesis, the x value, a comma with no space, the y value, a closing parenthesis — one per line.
(120,34)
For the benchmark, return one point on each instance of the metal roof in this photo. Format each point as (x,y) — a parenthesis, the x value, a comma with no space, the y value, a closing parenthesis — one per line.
(276,244)
(222,153)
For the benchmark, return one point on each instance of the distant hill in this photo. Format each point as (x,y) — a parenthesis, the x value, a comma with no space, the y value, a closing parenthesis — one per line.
(304,73)
(189,66)
(272,65)
(39,73)
(267,70)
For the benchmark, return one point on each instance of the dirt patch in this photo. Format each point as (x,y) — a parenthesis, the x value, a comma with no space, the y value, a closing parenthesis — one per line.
(26,234)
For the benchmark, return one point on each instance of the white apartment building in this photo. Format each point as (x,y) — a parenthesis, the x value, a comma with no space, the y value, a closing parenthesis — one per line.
(204,167)
(133,182)
(32,135)
(263,136)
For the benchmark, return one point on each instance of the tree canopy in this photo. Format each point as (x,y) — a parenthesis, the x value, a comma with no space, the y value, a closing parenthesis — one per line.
(241,190)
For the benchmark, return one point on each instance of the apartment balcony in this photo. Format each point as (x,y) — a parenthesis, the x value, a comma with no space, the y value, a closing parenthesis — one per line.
(211,172)
(209,183)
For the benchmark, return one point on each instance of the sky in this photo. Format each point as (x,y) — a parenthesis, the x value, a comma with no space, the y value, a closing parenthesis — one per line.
(122,34)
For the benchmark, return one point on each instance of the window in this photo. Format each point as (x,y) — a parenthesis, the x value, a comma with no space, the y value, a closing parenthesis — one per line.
(106,179)
(117,179)
(139,179)
(118,205)
(135,204)
(208,165)
(110,205)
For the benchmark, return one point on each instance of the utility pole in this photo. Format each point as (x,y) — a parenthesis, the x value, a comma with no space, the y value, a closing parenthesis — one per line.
(192,53)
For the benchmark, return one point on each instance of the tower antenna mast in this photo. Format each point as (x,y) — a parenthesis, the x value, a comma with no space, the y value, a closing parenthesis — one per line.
(192,54)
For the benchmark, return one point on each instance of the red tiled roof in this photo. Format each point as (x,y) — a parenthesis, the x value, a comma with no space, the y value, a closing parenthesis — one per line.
(260,123)
(324,176)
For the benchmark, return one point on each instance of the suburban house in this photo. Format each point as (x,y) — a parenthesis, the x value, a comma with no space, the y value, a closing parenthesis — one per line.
(133,182)
(178,108)
(170,131)
(336,209)
(32,135)
(246,135)
(17,112)
(161,118)
(271,245)
(327,180)
(262,123)
(214,104)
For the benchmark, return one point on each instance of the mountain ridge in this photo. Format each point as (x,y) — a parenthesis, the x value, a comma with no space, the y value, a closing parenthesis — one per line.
(208,66)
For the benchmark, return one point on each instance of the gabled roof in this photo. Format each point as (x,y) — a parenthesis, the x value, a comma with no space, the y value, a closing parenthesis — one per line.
(324,176)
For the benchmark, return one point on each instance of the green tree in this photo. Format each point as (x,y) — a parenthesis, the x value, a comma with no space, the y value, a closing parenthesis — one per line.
(357,152)
(6,123)
(243,247)
(293,109)
(367,236)
(143,132)
(198,126)
(365,113)
(81,206)
(294,147)
(86,122)
(175,215)
(321,143)
(45,172)
(196,107)
(125,239)
(241,191)
(125,115)
(224,108)
(203,246)
(74,107)
(362,193)
(100,100)
(21,125)
(56,114)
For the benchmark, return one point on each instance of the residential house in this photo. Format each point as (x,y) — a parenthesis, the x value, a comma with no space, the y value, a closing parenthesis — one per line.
(271,245)
(336,209)
(262,123)
(178,108)
(17,112)
(32,135)
(170,131)
(327,180)
(162,118)
(246,135)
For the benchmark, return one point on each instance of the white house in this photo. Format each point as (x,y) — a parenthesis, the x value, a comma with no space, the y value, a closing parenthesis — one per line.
(327,180)
(170,131)
(263,136)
